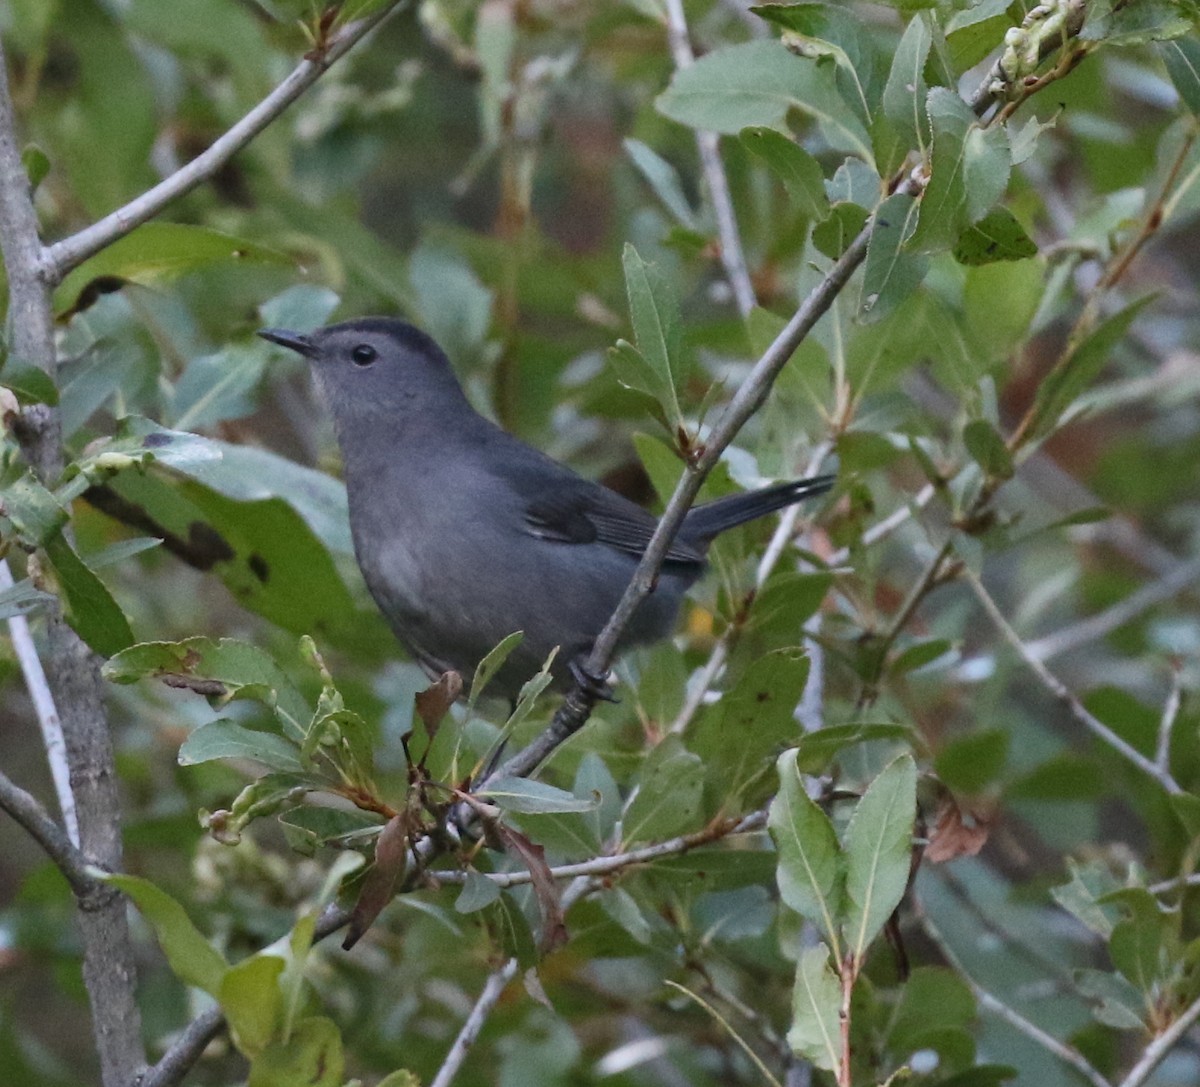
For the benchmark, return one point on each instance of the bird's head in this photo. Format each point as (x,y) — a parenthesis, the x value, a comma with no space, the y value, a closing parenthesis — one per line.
(375,365)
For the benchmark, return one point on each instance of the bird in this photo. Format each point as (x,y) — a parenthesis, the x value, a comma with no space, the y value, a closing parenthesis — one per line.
(466,534)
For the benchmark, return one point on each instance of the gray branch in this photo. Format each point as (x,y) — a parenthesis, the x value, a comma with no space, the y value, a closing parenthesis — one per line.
(59,258)
(108,970)
(467,1036)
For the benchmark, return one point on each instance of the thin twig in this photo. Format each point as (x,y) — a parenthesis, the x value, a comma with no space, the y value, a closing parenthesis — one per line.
(1166,725)
(604,866)
(988,1002)
(43,705)
(59,258)
(29,813)
(1152,1056)
(488,999)
(1103,623)
(733,259)
(888,525)
(1061,692)
(577,706)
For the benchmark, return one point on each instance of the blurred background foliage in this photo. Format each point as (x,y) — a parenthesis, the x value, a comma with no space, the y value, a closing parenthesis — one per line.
(478,168)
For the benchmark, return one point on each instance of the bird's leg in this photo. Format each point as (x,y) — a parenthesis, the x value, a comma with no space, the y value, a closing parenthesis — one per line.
(596,686)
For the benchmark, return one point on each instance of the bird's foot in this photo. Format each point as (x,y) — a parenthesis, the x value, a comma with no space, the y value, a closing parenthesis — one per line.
(596,686)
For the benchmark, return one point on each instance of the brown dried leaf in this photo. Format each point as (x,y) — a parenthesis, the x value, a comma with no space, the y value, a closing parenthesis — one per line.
(435,701)
(391,857)
(554,925)
(956,833)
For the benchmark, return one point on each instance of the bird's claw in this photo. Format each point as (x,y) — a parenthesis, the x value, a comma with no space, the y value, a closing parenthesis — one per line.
(595,686)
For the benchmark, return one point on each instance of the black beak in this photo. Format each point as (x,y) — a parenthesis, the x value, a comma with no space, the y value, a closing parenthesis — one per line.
(293,341)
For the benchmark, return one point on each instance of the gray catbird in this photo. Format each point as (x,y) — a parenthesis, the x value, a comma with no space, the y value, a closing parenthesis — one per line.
(466,534)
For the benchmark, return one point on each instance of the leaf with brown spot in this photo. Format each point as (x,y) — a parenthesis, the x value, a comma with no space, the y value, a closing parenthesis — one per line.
(435,701)
(391,858)
(952,836)
(533,856)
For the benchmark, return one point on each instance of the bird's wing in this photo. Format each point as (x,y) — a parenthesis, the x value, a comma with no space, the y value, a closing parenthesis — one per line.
(572,510)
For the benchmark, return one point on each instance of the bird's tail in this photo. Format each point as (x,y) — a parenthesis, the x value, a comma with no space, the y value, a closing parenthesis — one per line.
(704,522)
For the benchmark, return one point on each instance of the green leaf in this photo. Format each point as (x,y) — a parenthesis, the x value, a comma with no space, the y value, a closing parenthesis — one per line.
(224,739)
(251,998)
(800,173)
(816,1004)
(312,826)
(663,179)
(534,797)
(1082,896)
(90,608)
(997,236)
(400,1078)
(987,449)
(1182,58)
(191,957)
(29,384)
(220,670)
(668,796)
(217,387)
(905,93)
(969,764)
(478,891)
(34,512)
(968,172)
(312,1057)
(844,223)
(655,366)
(879,852)
(157,252)
(487,668)
(756,84)
(933,997)
(23,598)
(918,655)
(811,868)
(1138,942)
(818,749)
(1115,1002)
(267,795)
(973,33)
(37,165)
(891,273)
(1078,369)
(739,736)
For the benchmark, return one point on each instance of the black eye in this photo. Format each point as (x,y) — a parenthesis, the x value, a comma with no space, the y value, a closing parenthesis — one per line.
(363,355)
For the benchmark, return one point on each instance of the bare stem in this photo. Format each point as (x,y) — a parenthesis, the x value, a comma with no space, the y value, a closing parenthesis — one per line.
(29,813)
(1061,692)
(467,1036)
(59,258)
(1152,1056)
(47,714)
(733,259)
(988,1002)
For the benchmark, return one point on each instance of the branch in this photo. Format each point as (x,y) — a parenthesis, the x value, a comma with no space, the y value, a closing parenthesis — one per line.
(43,705)
(604,866)
(1154,1053)
(988,1002)
(578,704)
(707,143)
(488,999)
(1061,692)
(109,971)
(61,257)
(29,813)
(1103,623)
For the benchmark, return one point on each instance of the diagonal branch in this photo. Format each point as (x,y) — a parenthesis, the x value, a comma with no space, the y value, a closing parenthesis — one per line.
(1061,692)
(61,257)
(488,999)
(578,705)
(707,143)
(29,813)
